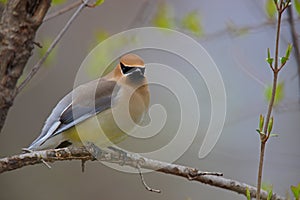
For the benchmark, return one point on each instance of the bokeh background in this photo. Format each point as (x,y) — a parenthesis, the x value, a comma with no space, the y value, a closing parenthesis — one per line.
(235,33)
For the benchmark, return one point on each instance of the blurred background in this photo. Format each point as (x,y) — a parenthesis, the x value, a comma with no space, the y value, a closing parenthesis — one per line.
(235,33)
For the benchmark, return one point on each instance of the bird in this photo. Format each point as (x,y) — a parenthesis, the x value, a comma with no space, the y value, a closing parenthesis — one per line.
(94,111)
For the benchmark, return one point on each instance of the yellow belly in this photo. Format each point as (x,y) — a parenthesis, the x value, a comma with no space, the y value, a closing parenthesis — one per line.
(101,130)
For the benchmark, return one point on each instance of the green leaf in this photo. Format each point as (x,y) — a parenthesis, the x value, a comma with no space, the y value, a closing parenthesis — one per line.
(296,191)
(192,23)
(269,59)
(248,194)
(261,122)
(279,93)
(297,6)
(287,54)
(270,194)
(3,1)
(57,2)
(46,42)
(288,51)
(269,54)
(283,60)
(270,125)
(274,135)
(270,8)
(162,17)
(98,2)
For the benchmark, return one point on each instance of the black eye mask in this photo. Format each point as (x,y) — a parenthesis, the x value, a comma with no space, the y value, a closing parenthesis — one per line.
(125,69)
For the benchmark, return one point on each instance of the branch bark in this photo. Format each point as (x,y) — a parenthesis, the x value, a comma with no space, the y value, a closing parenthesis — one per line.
(19,22)
(39,64)
(85,153)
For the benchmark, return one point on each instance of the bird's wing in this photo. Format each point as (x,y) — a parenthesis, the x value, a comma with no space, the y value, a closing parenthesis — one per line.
(84,102)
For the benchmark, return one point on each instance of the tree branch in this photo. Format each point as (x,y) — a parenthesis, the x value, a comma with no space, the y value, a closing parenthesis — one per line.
(38,65)
(133,160)
(19,22)
(267,126)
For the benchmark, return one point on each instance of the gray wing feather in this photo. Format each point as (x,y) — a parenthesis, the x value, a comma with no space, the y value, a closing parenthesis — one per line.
(76,114)
(67,113)
(52,122)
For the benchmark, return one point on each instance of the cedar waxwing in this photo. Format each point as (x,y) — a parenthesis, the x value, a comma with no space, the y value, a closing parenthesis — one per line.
(89,112)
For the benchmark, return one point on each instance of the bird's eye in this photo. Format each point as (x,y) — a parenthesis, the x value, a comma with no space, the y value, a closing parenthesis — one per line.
(125,69)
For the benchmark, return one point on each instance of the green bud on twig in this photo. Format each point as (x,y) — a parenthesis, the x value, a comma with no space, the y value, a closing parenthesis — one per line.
(269,59)
(261,122)
(248,195)
(270,125)
(288,50)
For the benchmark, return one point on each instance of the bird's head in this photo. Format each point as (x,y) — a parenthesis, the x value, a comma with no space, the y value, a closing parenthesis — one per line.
(132,67)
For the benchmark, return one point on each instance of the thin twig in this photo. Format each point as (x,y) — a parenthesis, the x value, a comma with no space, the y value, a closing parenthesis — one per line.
(82,153)
(281,66)
(271,66)
(37,44)
(277,46)
(45,163)
(38,65)
(260,168)
(144,183)
(266,134)
(83,165)
(62,11)
(237,31)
